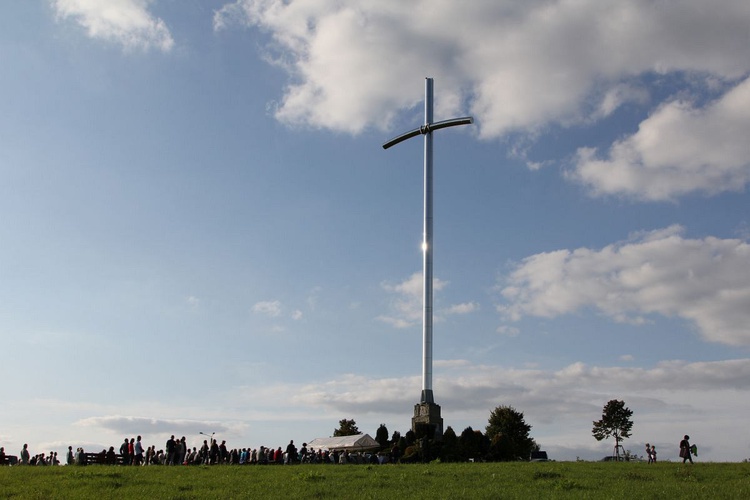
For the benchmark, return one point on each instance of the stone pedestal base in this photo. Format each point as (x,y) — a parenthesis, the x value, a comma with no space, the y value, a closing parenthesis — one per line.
(428,413)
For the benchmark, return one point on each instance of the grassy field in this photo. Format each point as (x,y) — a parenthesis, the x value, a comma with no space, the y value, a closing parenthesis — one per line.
(573,480)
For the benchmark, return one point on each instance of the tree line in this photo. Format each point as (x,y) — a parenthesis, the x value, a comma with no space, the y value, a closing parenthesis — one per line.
(505,438)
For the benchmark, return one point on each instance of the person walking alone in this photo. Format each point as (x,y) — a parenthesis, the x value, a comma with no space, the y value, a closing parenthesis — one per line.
(685,451)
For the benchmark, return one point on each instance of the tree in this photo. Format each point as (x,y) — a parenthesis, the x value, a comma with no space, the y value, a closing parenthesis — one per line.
(396,437)
(381,436)
(346,428)
(509,435)
(402,443)
(615,422)
(411,437)
(472,444)
(449,451)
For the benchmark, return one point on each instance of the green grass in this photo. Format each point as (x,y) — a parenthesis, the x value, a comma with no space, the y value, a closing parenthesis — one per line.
(574,480)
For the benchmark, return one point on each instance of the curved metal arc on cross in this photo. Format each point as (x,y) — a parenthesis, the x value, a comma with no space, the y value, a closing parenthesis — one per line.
(427,128)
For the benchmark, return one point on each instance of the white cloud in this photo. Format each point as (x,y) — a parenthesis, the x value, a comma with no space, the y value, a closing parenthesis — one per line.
(411,287)
(704,281)
(465,308)
(510,331)
(521,66)
(314,297)
(514,66)
(616,96)
(351,393)
(129,425)
(407,308)
(297,315)
(678,150)
(268,308)
(125,22)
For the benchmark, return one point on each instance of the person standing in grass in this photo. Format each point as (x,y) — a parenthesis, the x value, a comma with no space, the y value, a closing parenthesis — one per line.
(124,452)
(685,452)
(170,446)
(291,453)
(138,452)
(648,452)
(181,450)
(213,453)
(653,453)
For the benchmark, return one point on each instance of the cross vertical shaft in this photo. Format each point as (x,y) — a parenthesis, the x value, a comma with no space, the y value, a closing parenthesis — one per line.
(427,396)
(429,126)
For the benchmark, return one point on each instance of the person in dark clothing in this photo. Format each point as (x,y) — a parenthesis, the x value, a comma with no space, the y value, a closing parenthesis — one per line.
(171,448)
(685,451)
(223,453)
(124,452)
(110,457)
(214,452)
(291,453)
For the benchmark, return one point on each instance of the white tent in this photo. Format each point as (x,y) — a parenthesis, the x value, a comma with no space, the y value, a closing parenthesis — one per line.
(358,442)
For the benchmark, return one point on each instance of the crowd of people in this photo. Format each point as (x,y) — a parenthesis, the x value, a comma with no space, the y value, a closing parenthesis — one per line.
(27,459)
(176,452)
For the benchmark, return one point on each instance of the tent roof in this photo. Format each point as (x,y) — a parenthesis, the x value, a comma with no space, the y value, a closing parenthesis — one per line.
(357,442)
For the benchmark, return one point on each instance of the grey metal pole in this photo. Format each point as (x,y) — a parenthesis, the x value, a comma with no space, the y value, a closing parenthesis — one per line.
(427,242)
(427,396)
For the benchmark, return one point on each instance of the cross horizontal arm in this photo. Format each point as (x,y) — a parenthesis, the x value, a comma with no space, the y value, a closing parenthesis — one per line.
(426,129)
(403,137)
(466,120)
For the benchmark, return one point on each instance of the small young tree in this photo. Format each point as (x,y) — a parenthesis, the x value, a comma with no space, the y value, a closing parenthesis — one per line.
(346,428)
(615,422)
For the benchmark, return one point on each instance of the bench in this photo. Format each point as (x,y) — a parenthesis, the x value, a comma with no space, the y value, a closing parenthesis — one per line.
(101,459)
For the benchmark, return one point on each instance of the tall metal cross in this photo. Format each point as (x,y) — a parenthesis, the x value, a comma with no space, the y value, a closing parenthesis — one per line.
(426,130)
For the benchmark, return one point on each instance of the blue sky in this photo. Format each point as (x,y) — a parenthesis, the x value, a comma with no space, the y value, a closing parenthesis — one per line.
(201,232)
